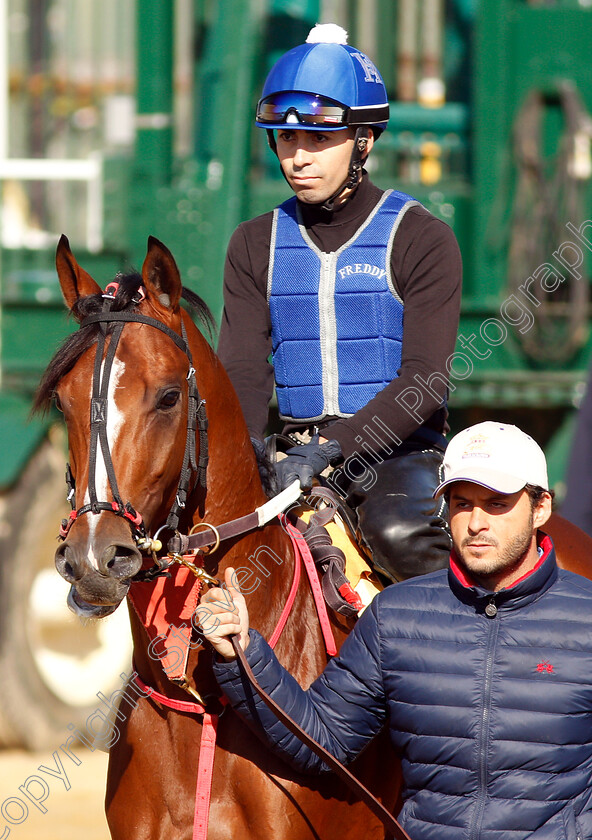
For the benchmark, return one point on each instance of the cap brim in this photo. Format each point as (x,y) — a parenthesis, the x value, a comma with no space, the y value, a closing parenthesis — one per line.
(492,480)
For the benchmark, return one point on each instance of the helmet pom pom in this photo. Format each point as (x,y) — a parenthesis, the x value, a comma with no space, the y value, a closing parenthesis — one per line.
(327,33)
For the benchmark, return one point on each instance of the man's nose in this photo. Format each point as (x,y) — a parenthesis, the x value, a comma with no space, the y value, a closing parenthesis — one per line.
(477,520)
(301,155)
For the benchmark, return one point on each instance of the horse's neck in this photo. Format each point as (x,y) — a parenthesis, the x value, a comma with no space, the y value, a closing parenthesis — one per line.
(233,483)
(265,555)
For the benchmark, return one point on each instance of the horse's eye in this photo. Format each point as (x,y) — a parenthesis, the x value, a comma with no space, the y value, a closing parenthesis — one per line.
(58,405)
(169,399)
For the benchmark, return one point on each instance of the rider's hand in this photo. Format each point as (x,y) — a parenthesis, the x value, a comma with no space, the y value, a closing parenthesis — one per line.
(305,461)
(222,613)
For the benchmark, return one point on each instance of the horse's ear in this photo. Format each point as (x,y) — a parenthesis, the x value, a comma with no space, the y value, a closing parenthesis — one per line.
(74,280)
(160,274)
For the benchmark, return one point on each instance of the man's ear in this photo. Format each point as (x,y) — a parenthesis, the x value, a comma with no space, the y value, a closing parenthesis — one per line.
(543,510)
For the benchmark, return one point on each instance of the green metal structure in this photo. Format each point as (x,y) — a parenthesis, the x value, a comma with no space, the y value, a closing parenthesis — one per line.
(490,128)
(459,158)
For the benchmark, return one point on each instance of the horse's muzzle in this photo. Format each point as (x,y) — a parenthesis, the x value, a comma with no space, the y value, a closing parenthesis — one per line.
(84,610)
(103,586)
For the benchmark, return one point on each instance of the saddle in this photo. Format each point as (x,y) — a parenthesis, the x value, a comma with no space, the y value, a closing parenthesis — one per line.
(347,580)
(328,525)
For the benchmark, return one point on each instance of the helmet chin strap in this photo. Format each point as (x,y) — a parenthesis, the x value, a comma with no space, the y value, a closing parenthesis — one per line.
(356,164)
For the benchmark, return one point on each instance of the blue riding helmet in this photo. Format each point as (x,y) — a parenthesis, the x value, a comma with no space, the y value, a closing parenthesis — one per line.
(328,85)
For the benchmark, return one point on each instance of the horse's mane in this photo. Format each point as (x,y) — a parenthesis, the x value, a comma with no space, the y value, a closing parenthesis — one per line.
(76,344)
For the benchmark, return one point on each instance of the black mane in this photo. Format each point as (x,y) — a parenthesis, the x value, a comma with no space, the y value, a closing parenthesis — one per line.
(76,344)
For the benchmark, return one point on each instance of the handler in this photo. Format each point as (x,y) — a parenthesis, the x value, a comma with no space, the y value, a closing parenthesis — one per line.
(355,293)
(483,672)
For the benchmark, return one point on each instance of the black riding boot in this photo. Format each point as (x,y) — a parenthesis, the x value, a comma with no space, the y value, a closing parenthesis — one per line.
(401,526)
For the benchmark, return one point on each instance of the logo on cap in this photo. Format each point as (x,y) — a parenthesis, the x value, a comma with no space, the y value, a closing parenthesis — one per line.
(476,448)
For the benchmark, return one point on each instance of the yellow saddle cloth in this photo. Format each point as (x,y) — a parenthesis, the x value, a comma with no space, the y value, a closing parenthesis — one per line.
(357,569)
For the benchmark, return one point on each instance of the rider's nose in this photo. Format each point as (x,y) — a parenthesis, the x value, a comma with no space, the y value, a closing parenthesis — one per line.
(301,156)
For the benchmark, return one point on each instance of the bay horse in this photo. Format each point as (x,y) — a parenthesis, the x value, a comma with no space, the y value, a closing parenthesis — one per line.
(143,396)
(157,438)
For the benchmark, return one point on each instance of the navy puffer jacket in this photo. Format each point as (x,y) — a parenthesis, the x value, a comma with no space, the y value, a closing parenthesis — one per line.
(488,698)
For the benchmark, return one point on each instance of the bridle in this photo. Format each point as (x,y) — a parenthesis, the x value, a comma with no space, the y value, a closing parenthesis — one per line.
(196,421)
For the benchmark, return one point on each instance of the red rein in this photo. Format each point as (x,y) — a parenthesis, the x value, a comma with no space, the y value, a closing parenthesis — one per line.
(207,747)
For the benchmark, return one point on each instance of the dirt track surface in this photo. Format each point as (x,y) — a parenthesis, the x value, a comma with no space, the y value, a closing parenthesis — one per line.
(74,814)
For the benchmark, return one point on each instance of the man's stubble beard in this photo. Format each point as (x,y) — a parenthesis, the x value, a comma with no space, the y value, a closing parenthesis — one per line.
(506,560)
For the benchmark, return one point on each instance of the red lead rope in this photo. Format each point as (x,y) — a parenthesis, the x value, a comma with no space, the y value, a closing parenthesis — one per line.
(205,771)
(207,746)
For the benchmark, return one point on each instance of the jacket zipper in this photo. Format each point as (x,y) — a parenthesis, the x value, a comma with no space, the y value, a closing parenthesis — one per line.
(483,736)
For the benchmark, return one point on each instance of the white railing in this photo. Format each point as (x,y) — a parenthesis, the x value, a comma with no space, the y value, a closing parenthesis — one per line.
(53,169)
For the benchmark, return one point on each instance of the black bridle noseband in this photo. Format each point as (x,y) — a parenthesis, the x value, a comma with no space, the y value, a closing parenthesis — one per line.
(196,421)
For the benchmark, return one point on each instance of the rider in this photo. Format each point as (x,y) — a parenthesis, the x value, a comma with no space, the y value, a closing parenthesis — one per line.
(355,294)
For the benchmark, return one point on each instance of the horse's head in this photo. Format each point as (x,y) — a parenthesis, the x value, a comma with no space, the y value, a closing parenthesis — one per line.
(124,382)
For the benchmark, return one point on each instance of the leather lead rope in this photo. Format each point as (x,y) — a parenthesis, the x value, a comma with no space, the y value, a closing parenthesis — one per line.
(377,808)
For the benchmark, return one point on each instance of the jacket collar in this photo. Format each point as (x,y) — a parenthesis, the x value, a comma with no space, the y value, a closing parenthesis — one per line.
(523,591)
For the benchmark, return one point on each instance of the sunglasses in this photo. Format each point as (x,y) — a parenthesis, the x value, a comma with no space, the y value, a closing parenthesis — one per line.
(307,109)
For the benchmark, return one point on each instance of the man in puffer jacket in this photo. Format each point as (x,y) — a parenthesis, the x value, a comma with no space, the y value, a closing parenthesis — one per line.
(482,672)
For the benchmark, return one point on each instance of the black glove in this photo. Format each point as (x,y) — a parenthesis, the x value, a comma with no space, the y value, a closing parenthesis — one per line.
(305,461)
(259,448)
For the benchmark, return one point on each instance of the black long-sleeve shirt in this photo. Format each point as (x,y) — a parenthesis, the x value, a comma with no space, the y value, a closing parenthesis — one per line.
(426,269)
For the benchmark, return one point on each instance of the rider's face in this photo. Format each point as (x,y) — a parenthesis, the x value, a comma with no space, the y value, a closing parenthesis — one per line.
(315,163)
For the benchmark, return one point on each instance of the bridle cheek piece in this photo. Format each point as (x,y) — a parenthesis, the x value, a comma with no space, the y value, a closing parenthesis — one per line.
(196,422)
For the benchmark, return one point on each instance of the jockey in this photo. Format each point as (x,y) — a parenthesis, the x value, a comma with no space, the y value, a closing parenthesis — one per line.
(354,294)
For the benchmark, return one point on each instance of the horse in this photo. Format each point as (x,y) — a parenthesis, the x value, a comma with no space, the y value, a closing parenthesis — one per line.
(157,440)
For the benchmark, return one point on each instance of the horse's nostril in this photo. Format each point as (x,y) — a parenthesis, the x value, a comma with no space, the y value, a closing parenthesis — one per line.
(66,565)
(121,561)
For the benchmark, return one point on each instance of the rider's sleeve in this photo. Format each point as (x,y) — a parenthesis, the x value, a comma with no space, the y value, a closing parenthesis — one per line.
(342,710)
(244,344)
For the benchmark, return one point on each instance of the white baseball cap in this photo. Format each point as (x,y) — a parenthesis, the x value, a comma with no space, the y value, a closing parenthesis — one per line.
(498,456)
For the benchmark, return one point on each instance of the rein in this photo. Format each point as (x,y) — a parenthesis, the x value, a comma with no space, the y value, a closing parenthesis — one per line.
(210,719)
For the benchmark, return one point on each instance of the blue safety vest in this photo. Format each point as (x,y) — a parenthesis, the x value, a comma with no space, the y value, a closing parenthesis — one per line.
(336,318)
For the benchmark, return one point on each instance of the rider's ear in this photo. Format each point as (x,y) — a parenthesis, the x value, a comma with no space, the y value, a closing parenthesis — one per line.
(74,280)
(160,274)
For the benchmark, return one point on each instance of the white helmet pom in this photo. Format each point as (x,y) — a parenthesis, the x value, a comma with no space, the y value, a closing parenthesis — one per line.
(327,33)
